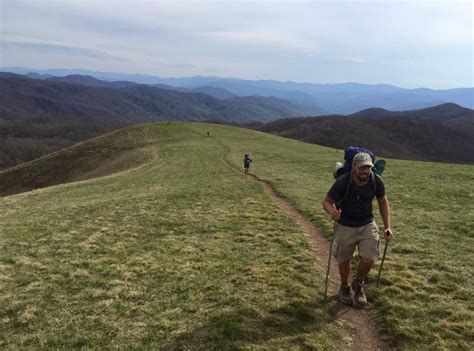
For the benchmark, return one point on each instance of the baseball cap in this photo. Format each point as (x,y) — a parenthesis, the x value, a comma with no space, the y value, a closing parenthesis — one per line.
(362,159)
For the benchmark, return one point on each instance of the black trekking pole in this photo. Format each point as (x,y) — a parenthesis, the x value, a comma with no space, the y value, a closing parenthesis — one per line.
(381,264)
(329,266)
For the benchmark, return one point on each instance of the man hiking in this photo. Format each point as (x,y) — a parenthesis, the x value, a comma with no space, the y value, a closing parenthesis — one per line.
(349,202)
(247,161)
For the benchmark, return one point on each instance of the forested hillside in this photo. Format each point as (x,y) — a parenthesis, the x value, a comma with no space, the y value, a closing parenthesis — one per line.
(397,137)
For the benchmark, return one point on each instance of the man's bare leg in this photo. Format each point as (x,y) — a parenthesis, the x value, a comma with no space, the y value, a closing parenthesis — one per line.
(344,272)
(364,268)
(345,290)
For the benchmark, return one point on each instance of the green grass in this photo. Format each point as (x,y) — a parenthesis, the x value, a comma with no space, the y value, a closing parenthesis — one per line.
(108,154)
(184,252)
(426,299)
(180,253)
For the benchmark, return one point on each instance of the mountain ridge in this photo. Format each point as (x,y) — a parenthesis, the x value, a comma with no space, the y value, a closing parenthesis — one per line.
(442,133)
(449,114)
(343,98)
(40,116)
(23,96)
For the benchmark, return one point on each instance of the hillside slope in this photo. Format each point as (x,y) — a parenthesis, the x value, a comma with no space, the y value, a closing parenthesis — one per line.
(185,251)
(23,140)
(101,156)
(25,98)
(39,116)
(441,134)
(451,115)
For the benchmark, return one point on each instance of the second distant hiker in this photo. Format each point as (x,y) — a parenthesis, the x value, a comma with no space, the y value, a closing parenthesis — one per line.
(247,161)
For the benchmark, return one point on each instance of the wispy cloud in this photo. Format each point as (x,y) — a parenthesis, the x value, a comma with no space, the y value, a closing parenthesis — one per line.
(60,49)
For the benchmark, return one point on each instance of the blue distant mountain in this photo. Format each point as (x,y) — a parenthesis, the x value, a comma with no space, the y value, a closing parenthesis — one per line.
(346,98)
(81,96)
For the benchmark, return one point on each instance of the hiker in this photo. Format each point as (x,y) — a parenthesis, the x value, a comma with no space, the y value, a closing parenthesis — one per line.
(247,161)
(349,202)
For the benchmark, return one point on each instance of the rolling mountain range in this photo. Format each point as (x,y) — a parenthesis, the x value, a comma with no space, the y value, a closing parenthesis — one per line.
(41,113)
(444,133)
(322,99)
(82,96)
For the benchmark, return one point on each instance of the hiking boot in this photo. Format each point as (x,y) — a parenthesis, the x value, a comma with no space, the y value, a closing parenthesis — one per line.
(345,295)
(359,295)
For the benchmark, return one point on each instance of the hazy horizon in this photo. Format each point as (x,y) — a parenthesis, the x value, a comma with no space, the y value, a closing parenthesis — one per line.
(33,70)
(408,44)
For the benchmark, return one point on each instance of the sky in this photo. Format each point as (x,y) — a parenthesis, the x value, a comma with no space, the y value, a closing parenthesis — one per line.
(409,44)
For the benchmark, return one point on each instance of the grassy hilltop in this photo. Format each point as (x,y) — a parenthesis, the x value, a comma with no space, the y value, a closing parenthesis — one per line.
(181,251)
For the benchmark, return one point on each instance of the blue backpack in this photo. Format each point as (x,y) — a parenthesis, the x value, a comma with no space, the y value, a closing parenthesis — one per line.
(349,154)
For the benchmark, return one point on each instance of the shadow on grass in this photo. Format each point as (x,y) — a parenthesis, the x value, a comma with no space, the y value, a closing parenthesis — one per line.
(242,327)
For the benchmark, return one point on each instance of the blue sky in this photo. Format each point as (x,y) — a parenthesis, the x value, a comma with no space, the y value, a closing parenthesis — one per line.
(405,43)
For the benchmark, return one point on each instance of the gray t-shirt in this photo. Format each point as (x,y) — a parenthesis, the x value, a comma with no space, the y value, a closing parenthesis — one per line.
(357,207)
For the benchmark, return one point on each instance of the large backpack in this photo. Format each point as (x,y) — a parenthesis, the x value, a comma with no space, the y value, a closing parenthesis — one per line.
(349,153)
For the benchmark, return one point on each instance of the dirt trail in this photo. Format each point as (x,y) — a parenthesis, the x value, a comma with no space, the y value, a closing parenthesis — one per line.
(354,324)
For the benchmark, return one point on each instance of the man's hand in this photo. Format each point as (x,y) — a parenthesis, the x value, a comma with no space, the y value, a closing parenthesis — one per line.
(330,207)
(388,234)
(336,214)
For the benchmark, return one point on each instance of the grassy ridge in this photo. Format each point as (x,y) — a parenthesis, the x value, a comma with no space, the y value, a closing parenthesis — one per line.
(185,252)
(180,253)
(107,154)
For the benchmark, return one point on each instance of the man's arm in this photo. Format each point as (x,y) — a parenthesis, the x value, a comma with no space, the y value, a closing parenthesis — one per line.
(328,206)
(384,208)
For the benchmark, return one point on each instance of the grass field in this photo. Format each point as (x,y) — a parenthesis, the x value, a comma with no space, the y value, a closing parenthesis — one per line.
(180,253)
(184,252)
(427,295)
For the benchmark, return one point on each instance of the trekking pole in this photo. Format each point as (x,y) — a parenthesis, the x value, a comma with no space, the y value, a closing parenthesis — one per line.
(329,267)
(381,264)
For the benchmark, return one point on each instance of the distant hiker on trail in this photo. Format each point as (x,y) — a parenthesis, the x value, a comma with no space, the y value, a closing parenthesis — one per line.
(349,202)
(247,161)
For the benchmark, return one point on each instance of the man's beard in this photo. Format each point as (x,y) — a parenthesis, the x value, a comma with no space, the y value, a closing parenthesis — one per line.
(362,178)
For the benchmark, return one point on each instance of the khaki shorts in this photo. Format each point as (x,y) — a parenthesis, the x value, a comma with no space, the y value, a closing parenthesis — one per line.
(366,238)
